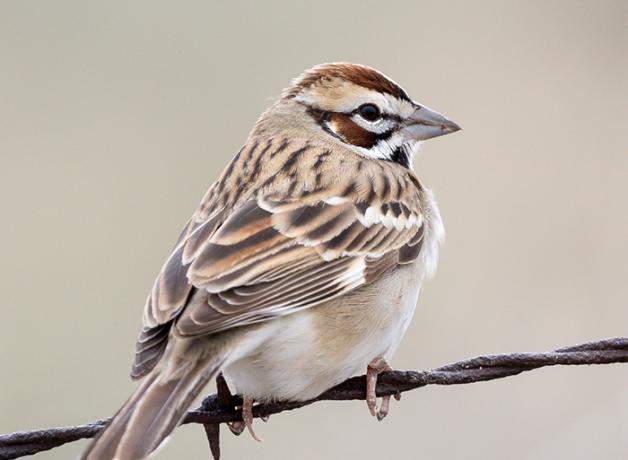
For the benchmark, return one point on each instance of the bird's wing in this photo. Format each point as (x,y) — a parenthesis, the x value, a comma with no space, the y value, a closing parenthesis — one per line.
(276,254)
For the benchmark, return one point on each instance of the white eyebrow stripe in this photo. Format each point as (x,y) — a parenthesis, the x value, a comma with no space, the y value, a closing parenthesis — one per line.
(351,97)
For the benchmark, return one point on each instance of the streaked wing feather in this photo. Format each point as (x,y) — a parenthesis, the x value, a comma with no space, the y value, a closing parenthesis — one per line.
(150,346)
(273,256)
(219,315)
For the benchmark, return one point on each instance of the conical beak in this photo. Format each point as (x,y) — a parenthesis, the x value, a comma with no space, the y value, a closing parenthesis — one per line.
(425,124)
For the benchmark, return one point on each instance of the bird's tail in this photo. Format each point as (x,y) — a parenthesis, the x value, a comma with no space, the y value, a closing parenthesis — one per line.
(157,406)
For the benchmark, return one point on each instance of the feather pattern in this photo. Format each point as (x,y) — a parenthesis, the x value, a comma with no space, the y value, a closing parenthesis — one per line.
(287,226)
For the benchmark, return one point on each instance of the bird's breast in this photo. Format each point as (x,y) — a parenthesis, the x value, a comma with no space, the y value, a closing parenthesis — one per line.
(298,356)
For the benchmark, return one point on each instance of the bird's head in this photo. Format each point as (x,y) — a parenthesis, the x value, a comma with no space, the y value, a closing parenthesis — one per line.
(366,110)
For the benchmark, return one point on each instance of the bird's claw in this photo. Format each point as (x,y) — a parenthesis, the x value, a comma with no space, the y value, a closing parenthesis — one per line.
(383,408)
(238,427)
(376,367)
(247,417)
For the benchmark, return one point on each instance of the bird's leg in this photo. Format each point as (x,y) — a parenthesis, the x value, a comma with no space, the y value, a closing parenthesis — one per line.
(376,367)
(247,416)
(247,419)
(225,399)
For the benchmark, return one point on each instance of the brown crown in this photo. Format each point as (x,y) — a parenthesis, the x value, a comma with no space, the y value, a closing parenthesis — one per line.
(354,73)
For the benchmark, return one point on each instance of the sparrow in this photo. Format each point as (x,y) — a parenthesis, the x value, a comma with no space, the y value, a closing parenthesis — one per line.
(302,265)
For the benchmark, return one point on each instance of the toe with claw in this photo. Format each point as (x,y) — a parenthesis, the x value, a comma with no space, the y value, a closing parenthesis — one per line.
(238,428)
(247,416)
(376,367)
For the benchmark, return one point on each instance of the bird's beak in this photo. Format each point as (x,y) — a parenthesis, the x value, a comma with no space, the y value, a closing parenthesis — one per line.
(425,124)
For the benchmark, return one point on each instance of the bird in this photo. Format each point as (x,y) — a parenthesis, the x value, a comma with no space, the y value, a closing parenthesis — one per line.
(302,265)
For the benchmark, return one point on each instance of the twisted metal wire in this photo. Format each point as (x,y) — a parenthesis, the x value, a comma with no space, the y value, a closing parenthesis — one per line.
(221,407)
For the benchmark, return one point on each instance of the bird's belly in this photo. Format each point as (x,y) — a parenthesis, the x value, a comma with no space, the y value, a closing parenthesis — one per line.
(298,356)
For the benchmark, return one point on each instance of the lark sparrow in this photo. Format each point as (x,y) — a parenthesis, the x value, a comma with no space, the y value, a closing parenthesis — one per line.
(301,267)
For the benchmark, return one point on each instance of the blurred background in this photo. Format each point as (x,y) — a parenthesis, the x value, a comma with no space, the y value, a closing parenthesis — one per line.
(116,116)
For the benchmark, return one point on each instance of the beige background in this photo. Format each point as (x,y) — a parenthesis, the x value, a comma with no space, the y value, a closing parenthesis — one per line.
(116,116)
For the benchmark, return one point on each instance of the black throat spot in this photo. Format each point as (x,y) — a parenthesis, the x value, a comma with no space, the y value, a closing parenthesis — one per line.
(400,156)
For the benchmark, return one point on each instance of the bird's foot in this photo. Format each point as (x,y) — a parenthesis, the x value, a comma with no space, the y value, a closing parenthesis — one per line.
(247,420)
(236,427)
(376,367)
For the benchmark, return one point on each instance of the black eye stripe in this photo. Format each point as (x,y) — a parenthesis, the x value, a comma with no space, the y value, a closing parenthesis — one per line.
(383,115)
(390,116)
(323,117)
(320,115)
(385,135)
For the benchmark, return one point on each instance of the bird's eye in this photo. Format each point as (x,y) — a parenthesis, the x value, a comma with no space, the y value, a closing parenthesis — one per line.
(370,112)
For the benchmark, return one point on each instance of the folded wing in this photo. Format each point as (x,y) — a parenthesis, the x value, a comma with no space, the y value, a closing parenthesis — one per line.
(273,256)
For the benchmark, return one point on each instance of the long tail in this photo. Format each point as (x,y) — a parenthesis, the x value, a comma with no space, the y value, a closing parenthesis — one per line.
(156,407)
